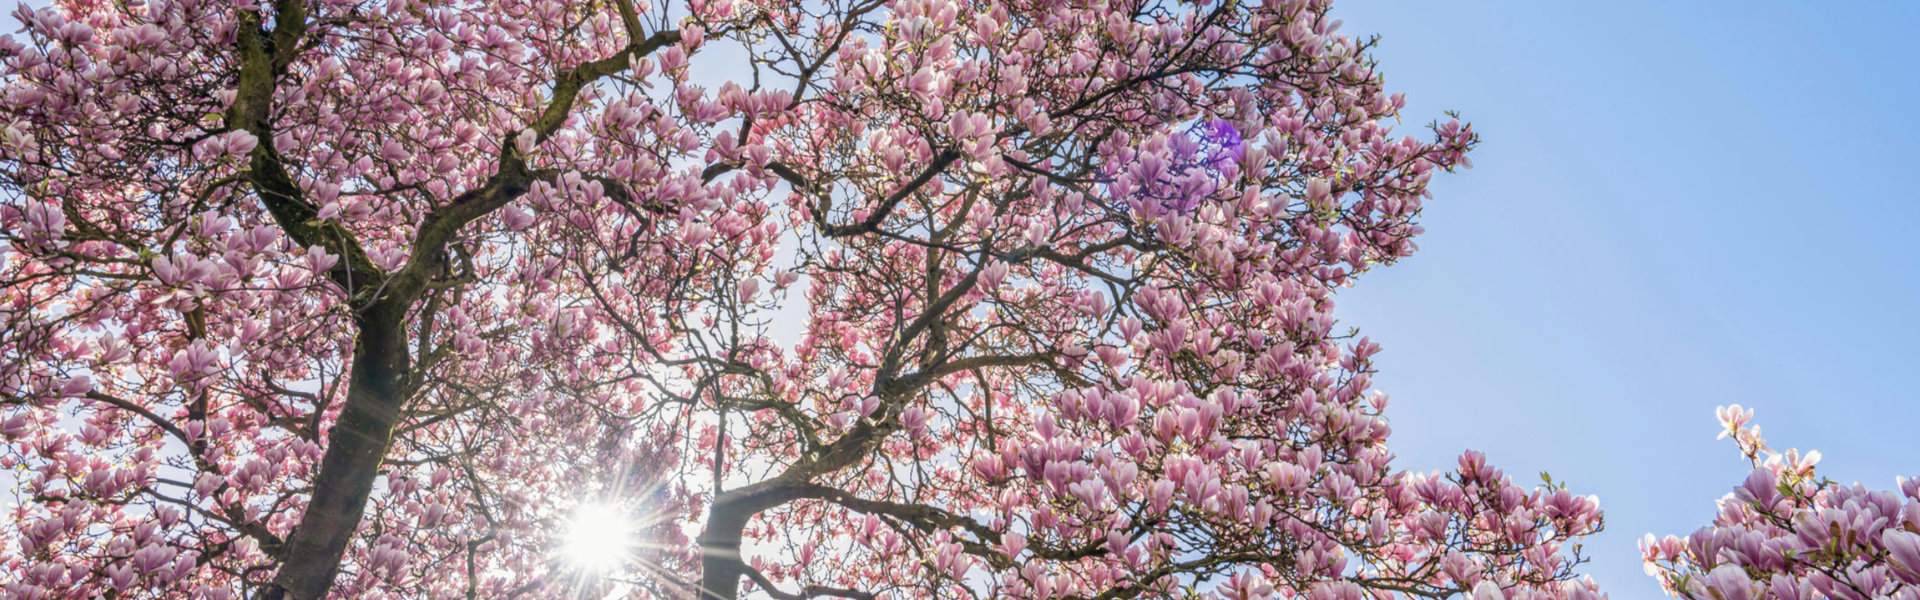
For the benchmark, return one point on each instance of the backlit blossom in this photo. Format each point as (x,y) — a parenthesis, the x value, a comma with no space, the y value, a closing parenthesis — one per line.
(1789,534)
(908,299)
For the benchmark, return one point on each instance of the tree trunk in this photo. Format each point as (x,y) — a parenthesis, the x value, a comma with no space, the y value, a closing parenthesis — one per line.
(720,560)
(355,447)
(720,566)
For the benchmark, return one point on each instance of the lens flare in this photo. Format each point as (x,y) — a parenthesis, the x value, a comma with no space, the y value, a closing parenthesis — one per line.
(599,538)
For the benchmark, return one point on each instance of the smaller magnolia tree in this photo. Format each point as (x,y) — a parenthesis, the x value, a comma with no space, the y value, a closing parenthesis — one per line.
(1789,534)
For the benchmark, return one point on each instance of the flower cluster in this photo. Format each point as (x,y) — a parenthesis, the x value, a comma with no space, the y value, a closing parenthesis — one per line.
(908,298)
(1788,534)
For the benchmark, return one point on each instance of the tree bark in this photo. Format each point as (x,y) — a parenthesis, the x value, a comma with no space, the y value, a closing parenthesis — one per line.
(355,447)
(720,561)
(720,564)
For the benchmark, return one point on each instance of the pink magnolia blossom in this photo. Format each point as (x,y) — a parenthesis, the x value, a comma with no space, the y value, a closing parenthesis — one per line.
(1066,330)
(1788,534)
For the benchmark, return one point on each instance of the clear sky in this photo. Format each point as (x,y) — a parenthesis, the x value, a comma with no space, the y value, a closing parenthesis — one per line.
(1678,205)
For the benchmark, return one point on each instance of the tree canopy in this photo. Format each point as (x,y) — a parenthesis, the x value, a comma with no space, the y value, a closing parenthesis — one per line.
(836,298)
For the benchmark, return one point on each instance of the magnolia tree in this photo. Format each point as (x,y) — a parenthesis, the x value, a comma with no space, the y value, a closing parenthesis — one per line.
(1789,534)
(1028,299)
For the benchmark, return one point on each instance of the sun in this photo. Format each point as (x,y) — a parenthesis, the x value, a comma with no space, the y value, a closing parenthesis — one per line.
(599,537)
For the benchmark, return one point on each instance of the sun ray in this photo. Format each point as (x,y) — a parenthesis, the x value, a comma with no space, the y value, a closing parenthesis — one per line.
(599,538)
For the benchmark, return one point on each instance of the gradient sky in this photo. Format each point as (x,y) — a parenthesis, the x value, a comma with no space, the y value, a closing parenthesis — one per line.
(1678,205)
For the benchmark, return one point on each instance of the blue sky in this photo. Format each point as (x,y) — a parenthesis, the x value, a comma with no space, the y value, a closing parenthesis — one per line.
(1678,205)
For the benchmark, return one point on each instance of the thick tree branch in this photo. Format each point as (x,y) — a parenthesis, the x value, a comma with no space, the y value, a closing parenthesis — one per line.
(886,205)
(381,368)
(514,178)
(261,63)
